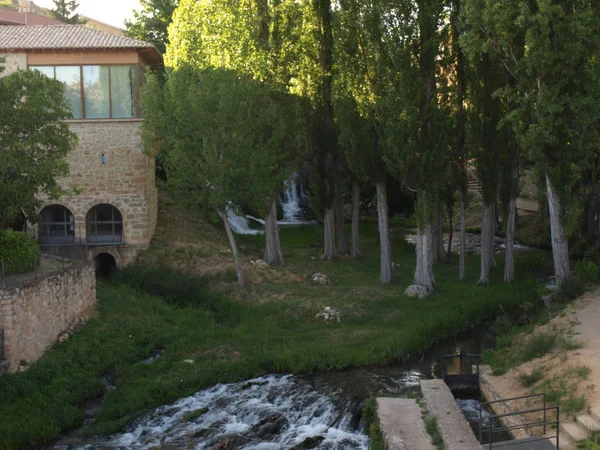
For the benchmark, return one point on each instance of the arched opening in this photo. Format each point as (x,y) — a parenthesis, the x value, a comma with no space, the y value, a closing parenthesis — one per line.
(104,225)
(57,226)
(105,265)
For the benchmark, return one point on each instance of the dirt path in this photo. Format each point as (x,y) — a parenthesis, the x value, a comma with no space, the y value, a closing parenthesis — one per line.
(570,372)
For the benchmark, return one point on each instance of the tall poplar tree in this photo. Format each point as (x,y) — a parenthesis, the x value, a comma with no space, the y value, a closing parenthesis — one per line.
(257,38)
(417,122)
(357,94)
(549,49)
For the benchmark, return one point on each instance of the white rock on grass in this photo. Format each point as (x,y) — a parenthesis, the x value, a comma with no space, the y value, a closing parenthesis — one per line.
(329,313)
(414,290)
(260,264)
(320,278)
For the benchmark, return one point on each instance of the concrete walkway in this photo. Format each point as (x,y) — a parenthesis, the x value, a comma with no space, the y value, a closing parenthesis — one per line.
(401,424)
(451,422)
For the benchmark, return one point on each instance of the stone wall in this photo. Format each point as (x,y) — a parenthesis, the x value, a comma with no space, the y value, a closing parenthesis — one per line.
(34,316)
(109,167)
(13,62)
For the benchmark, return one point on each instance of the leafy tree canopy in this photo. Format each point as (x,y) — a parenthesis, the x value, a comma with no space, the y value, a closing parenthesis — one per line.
(34,142)
(151,22)
(229,136)
(64,10)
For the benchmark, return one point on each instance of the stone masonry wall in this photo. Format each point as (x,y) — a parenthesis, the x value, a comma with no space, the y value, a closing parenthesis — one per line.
(33,317)
(126,181)
(13,62)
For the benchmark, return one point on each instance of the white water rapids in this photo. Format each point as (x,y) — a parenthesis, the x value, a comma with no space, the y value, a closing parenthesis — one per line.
(267,413)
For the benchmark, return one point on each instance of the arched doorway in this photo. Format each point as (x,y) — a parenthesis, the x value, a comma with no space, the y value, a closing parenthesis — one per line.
(57,226)
(104,225)
(105,265)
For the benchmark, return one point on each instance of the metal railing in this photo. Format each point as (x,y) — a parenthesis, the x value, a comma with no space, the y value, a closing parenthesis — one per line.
(42,264)
(544,423)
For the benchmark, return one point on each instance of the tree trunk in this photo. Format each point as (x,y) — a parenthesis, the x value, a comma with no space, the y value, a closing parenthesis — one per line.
(450,233)
(438,236)
(486,239)
(385,276)
(463,231)
(329,234)
(273,253)
(560,245)
(424,269)
(355,219)
(491,242)
(509,262)
(339,219)
(233,246)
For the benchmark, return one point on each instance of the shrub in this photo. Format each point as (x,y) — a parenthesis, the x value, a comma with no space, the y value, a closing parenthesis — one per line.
(19,252)
(528,380)
(586,271)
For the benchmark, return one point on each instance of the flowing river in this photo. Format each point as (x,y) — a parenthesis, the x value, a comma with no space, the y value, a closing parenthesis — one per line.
(321,411)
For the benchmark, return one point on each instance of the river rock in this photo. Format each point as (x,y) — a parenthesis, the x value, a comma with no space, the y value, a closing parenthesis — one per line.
(269,426)
(414,290)
(308,443)
(320,278)
(260,264)
(329,313)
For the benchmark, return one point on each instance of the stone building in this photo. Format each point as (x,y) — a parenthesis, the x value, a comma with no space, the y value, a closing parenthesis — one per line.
(114,214)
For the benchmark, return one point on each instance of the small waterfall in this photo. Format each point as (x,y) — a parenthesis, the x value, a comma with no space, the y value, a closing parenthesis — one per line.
(239,224)
(291,201)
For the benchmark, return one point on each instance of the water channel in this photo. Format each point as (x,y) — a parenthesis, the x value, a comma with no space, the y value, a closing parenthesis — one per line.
(322,410)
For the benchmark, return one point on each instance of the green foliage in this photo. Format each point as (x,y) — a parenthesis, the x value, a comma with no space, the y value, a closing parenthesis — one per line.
(586,271)
(151,21)
(369,415)
(269,328)
(528,380)
(34,141)
(19,252)
(591,443)
(230,138)
(64,10)
(568,291)
(432,429)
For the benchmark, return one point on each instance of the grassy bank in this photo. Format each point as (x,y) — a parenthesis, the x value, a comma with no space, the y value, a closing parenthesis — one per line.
(213,331)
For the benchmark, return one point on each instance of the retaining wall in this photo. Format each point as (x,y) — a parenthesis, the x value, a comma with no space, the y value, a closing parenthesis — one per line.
(34,316)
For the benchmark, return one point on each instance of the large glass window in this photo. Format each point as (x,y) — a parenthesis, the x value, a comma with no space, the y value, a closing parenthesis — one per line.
(122,91)
(71,78)
(109,92)
(57,226)
(104,225)
(96,92)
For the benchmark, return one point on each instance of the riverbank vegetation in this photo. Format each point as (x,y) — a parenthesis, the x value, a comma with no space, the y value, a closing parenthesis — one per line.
(213,331)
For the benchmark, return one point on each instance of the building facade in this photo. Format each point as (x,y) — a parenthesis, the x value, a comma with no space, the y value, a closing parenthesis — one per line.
(113,216)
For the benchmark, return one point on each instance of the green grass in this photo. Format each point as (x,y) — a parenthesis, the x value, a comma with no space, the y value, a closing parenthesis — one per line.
(235,334)
(372,426)
(528,380)
(432,429)
(591,443)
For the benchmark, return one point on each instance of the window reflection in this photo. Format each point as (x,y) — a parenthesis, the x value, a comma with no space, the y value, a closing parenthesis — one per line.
(122,89)
(96,92)
(71,77)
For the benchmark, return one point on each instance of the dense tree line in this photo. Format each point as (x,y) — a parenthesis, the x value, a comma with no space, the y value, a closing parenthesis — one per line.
(364,93)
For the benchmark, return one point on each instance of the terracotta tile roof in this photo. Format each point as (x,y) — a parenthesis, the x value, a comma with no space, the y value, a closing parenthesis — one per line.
(14,17)
(64,37)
